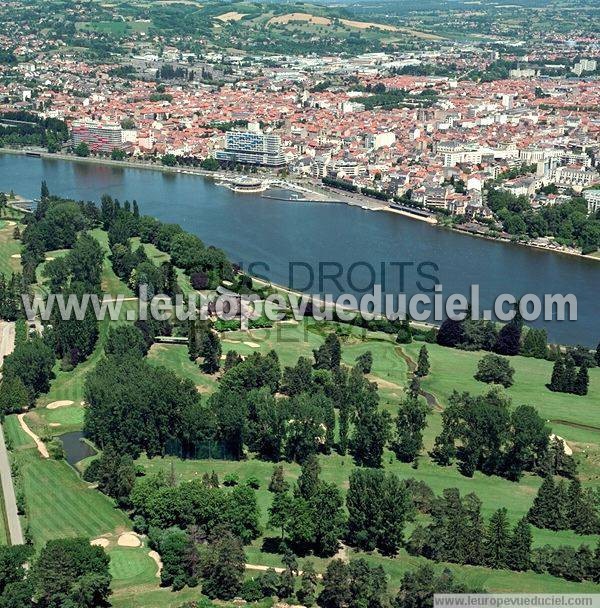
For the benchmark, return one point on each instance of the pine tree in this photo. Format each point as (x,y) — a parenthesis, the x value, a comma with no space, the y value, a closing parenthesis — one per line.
(278,484)
(582,381)
(586,519)
(519,556)
(404,335)
(542,511)
(597,355)
(509,339)
(497,540)
(423,363)
(561,507)
(210,349)
(570,375)
(557,382)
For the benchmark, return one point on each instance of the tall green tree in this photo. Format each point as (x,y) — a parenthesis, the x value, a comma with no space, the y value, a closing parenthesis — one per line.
(497,541)
(519,555)
(223,567)
(410,423)
(423,362)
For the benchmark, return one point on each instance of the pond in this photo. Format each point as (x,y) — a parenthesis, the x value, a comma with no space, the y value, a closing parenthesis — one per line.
(75,447)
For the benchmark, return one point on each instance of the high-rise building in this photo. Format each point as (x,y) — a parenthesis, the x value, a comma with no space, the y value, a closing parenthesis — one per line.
(252,148)
(99,137)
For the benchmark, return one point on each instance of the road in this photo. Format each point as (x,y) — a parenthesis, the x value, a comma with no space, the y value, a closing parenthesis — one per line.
(7,344)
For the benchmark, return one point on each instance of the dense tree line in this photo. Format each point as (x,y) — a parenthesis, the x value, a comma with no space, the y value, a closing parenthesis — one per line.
(558,507)
(495,439)
(311,517)
(67,572)
(569,222)
(566,378)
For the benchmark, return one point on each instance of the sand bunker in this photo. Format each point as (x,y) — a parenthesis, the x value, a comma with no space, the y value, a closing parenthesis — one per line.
(156,557)
(252,344)
(129,539)
(99,542)
(54,424)
(56,404)
(10,223)
(16,256)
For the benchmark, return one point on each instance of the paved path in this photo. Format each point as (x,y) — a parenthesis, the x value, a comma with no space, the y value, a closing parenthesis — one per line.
(7,344)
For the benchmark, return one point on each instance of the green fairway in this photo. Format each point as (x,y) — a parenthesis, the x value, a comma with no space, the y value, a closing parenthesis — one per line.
(59,504)
(175,357)
(9,248)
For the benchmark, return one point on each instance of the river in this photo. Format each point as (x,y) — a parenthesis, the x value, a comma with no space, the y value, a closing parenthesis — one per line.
(283,239)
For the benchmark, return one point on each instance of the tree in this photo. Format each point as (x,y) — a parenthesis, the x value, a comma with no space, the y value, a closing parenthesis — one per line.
(223,567)
(353,585)
(308,585)
(519,554)
(451,333)
(82,149)
(419,586)
(13,396)
(558,382)
(535,344)
(371,433)
(410,423)
(423,363)
(364,362)
(378,507)
(124,341)
(404,335)
(71,570)
(31,361)
(308,481)
(329,354)
(582,381)
(597,355)
(544,512)
(210,350)
(496,370)
(509,338)
(278,484)
(169,160)
(497,540)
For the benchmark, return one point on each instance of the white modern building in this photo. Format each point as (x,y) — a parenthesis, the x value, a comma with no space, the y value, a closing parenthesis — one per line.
(252,148)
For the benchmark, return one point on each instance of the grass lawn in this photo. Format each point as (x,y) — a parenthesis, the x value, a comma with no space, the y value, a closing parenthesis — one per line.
(59,504)
(8,248)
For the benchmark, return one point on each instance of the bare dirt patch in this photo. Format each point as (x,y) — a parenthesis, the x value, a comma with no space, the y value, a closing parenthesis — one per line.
(56,404)
(41,446)
(306,17)
(231,16)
